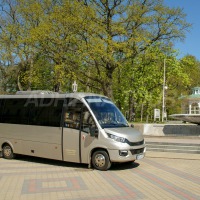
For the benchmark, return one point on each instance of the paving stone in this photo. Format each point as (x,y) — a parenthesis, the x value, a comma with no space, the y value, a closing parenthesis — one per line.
(157,176)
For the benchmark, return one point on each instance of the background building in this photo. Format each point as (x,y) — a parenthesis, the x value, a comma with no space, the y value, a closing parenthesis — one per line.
(191,103)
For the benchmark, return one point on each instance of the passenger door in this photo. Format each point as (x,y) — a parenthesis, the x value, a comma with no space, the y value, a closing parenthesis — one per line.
(71,130)
(77,141)
(87,140)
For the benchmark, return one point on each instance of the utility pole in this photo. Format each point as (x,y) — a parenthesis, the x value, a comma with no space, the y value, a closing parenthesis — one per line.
(164,88)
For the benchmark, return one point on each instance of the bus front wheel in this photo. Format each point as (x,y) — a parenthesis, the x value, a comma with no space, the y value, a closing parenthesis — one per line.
(7,152)
(101,160)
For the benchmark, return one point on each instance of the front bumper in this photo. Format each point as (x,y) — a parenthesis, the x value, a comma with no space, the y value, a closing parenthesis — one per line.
(132,154)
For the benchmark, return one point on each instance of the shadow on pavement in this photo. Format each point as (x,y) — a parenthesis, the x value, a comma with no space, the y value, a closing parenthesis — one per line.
(50,162)
(76,166)
(123,166)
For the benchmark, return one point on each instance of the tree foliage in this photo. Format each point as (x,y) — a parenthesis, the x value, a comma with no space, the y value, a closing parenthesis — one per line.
(114,47)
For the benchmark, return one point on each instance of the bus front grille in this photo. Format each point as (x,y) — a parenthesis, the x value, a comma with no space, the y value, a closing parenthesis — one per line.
(137,151)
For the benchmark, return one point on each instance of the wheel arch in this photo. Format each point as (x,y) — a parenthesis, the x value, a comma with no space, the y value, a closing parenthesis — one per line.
(7,143)
(97,149)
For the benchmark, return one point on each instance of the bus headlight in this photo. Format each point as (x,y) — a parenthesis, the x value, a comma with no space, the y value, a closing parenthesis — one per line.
(116,138)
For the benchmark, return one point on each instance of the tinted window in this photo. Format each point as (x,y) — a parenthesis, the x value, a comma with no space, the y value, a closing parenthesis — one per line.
(15,111)
(1,108)
(45,112)
(87,120)
(72,116)
(77,116)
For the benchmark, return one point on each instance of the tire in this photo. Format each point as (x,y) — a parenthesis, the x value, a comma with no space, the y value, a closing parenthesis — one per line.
(8,152)
(101,160)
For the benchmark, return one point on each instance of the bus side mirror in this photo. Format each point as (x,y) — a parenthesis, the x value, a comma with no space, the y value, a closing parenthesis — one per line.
(94,131)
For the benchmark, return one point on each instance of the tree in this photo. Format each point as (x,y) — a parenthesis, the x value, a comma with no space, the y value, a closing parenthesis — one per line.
(127,29)
(114,47)
(141,82)
(191,66)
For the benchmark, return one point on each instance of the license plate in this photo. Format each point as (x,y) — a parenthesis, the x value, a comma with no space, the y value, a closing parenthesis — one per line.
(140,156)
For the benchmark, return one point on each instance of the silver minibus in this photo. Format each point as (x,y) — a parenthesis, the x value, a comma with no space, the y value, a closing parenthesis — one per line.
(76,127)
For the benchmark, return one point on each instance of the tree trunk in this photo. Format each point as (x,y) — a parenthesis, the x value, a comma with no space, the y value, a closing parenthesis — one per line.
(142,110)
(131,107)
(108,90)
(19,83)
(30,73)
(147,118)
(119,92)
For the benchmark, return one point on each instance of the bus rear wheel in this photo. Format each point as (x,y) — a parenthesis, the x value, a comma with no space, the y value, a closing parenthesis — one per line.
(8,152)
(101,160)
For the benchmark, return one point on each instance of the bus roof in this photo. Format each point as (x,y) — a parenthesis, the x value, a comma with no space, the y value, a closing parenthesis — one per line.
(78,95)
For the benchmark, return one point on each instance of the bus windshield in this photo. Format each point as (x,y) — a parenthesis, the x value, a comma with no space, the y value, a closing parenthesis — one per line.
(105,111)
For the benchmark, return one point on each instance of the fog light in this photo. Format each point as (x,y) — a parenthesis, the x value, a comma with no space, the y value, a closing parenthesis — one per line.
(123,153)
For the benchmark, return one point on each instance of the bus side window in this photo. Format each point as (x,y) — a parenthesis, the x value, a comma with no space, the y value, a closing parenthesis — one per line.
(72,119)
(15,111)
(88,122)
(1,108)
(75,112)
(47,112)
(72,114)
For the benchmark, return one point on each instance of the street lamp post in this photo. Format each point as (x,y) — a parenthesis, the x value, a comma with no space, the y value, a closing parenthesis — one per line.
(164,88)
(74,86)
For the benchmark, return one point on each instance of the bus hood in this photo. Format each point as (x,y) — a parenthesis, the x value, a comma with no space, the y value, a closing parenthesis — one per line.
(131,134)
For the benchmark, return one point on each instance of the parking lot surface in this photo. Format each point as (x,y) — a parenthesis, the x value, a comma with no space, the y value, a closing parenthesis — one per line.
(157,176)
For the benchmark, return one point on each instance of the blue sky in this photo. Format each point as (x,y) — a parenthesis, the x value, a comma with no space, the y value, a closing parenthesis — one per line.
(191,44)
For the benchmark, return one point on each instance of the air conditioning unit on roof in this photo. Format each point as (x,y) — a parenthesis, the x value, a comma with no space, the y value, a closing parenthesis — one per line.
(35,92)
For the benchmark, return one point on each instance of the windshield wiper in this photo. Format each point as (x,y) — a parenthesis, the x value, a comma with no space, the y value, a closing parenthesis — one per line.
(125,125)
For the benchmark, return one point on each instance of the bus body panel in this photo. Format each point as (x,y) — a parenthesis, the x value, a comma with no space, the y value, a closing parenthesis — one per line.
(71,145)
(134,148)
(38,141)
(88,143)
(77,149)
(131,134)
